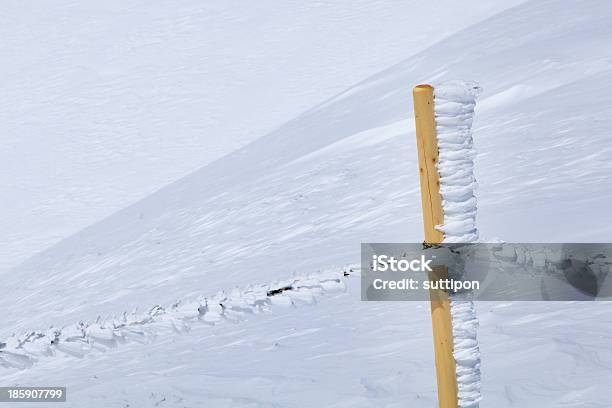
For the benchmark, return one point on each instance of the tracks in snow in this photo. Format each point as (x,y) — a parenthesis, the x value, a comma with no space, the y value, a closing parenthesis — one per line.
(82,338)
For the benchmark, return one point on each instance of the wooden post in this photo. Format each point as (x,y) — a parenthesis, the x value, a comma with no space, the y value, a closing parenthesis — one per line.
(433,214)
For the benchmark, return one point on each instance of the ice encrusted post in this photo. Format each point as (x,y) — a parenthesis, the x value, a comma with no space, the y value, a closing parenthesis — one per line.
(444,116)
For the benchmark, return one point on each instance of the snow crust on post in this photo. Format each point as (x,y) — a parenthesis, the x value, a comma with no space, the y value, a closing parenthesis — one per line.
(454,108)
(454,104)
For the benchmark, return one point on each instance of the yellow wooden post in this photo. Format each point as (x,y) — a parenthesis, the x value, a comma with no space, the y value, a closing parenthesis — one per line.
(433,214)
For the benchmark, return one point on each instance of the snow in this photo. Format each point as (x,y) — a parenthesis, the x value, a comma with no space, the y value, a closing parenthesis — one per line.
(301,199)
(466,352)
(104,103)
(82,338)
(454,103)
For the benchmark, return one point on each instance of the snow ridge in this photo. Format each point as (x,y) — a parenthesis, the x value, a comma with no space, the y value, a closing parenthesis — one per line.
(77,340)
(454,103)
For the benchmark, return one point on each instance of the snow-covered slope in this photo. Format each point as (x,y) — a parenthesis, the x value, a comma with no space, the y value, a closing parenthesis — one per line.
(302,198)
(342,352)
(103,103)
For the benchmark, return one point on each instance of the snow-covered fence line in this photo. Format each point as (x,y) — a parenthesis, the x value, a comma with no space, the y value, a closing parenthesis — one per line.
(443,117)
(79,339)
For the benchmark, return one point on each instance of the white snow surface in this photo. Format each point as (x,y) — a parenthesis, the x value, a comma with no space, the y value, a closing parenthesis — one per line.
(104,102)
(300,200)
(82,338)
(454,103)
